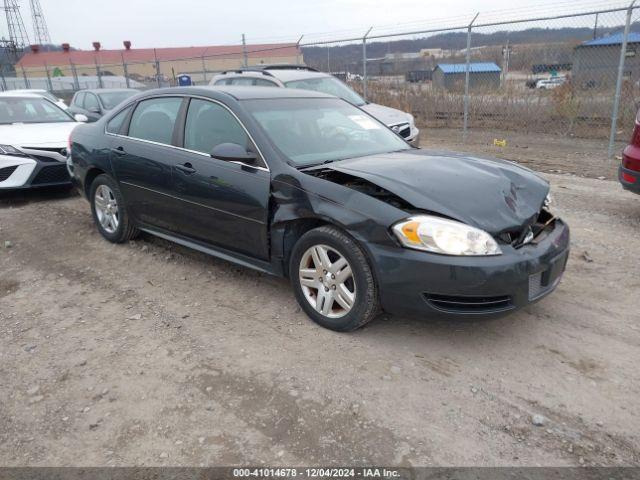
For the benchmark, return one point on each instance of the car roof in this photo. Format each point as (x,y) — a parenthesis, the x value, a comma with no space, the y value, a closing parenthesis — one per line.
(290,75)
(107,90)
(281,74)
(20,94)
(240,93)
(26,90)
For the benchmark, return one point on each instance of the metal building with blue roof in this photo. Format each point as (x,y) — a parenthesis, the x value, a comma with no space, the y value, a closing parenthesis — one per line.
(595,62)
(482,75)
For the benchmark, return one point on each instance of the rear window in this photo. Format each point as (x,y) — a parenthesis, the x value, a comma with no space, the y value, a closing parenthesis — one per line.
(113,99)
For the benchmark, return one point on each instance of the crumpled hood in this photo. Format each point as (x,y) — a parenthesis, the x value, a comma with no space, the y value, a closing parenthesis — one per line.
(51,135)
(490,194)
(387,115)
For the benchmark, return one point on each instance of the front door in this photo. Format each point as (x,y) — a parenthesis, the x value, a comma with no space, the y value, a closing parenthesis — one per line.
(224,203)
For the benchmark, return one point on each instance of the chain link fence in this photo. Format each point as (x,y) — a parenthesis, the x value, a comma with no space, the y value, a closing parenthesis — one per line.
(570,75)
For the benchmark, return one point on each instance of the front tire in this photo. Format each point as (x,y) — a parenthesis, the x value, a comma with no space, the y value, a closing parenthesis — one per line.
(332,280)
(109,210)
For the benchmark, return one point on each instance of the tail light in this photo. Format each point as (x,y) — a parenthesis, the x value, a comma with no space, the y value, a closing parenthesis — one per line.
(69,142)
(635,138)
(631,163)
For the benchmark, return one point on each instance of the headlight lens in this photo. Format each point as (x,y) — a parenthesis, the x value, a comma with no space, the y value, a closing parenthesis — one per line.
(448,237)
(10,150)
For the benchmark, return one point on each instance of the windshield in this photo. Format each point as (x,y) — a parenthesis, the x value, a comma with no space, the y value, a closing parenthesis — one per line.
(113,99)
(310,131)
(31,110)
(330,85)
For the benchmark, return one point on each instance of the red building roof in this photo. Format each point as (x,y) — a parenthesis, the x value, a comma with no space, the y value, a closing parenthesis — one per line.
(143,55)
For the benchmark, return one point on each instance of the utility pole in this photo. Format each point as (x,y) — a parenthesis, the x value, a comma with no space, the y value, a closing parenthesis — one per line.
(125,70)
(364,64)
(506,58)
(328,60)
(595,27)
(39,24)
(245,58)
(155,55)
(298,50)
(466,80)
(616,98)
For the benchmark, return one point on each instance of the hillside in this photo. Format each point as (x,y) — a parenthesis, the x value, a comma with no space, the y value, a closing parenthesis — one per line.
(348,57)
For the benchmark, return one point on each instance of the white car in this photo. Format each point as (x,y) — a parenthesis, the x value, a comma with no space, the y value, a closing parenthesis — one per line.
(42,93)
(550,83)
(34,135)
(307,78)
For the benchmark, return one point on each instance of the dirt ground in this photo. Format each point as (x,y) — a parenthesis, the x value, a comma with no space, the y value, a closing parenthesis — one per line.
(150,354)
(542,152)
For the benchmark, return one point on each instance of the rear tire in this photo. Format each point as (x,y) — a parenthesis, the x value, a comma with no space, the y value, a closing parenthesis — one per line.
(109,210)
(332,280)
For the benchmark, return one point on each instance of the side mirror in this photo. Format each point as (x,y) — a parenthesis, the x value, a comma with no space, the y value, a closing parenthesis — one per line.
(81,118)
(232,152)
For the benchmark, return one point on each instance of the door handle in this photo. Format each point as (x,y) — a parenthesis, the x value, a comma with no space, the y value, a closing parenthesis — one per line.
(118,150)
(186,168)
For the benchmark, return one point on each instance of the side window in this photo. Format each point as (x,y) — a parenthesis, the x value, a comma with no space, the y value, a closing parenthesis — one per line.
(79,99)
(224,81)
(209,124)
(115,124)
(154,119)
(91,102)
(264,83)
(245,82)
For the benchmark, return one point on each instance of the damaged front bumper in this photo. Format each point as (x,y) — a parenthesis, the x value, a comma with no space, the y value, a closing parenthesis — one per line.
(420,283)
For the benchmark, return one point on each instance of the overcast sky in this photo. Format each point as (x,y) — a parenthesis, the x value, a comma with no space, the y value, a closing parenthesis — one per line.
(169,23)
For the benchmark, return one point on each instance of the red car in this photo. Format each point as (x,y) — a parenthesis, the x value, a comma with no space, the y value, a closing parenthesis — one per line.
(629,172)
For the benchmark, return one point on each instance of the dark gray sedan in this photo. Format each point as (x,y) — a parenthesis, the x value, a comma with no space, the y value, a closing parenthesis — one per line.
(308,186)
(96,103)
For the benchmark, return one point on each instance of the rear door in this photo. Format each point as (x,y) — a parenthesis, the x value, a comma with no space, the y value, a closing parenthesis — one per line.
(143,155)
(224,203)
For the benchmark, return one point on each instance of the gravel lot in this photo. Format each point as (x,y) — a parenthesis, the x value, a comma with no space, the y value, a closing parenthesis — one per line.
(150,354)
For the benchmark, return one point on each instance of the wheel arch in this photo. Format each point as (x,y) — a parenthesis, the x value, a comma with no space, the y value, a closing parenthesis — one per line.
(287,233)
(91,175)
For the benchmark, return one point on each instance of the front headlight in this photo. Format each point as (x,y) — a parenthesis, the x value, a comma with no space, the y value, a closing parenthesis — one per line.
(448,237)
(10,150)
(548,201)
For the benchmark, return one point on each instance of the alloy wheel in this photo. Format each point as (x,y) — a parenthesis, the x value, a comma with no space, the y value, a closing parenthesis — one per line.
(106,207)
(327,281)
